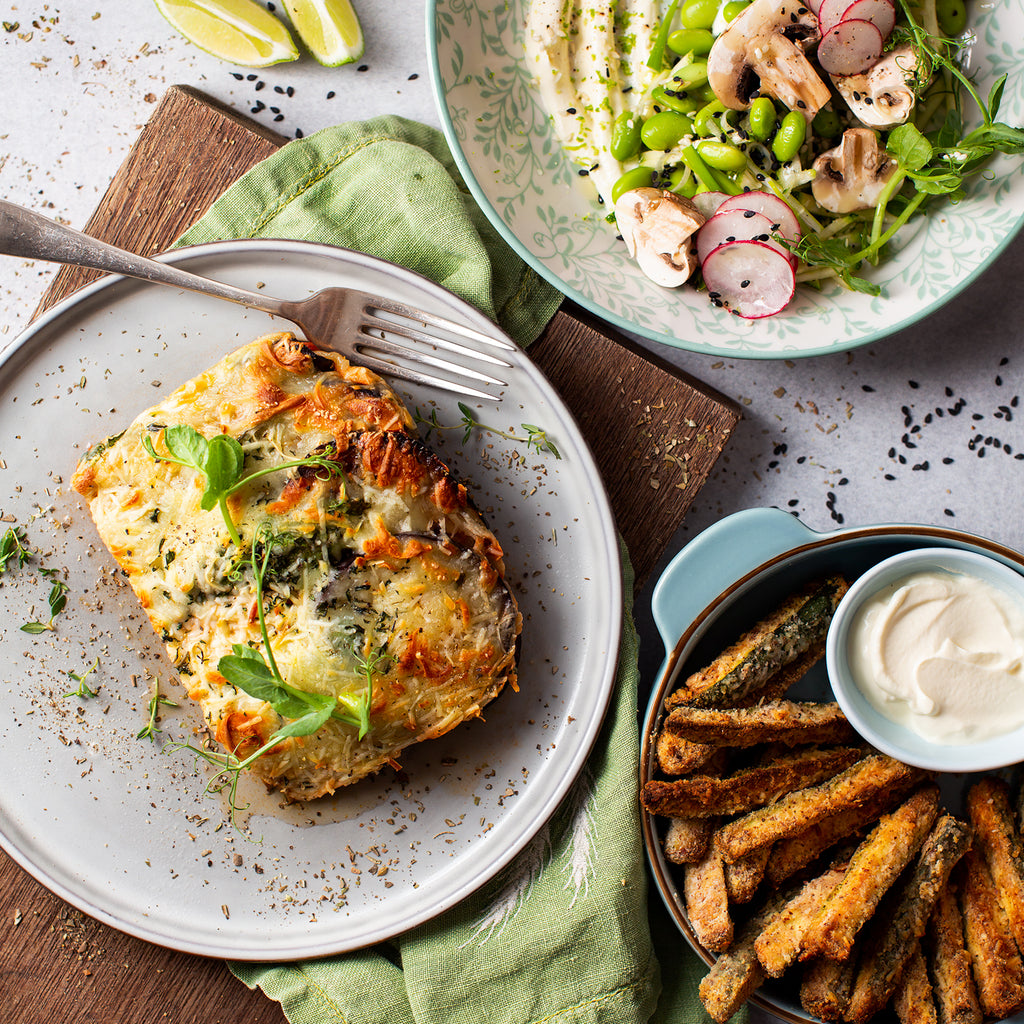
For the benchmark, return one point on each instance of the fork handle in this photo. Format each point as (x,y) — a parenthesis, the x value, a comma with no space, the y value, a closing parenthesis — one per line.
(29,235)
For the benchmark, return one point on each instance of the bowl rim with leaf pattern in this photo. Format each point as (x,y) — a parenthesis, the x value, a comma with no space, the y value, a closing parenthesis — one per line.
(517,172)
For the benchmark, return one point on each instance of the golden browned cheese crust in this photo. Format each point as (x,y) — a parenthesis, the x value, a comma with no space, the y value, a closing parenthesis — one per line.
(381,554)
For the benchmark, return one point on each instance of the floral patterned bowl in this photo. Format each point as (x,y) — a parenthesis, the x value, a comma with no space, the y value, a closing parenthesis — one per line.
(519,175)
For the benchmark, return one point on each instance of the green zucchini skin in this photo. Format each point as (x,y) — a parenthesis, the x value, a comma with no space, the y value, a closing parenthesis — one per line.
(801,623)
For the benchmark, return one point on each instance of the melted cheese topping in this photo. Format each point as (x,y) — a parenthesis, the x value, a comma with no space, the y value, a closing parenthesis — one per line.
(384,554)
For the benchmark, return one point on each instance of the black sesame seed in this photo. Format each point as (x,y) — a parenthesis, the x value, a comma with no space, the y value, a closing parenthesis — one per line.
(868,388)
(744,284)
(363,67)
(948,460)
(750,213)
(949,512)
(259,85)
(413,77)
(331,95)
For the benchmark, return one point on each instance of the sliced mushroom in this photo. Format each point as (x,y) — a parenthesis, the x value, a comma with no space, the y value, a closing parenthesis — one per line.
(852,176)
(762,53)
(882,97)
(658,228)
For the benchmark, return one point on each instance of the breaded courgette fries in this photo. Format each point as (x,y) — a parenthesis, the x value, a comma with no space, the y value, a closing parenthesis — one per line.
(806,855)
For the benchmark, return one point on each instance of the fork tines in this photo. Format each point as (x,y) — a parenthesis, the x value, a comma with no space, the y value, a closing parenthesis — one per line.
(382,321)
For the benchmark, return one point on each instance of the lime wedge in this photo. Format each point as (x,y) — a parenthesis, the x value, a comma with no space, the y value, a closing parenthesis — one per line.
(329,28)
(239,31)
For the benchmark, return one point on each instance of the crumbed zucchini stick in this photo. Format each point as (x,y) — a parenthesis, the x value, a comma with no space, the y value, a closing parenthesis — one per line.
(707,902)
(858,784)
(738,972)
(825,988)
(956,1000)
(895,934)
(988,806)
(678,757)
(743,877)
(790,723)
(792,855)
(687,839)
(701,796)
(745,666)
(875,866)
(998,971)
(780,941)
(914,998)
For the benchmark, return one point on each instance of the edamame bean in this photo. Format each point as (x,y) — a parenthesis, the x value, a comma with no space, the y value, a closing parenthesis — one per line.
(625,141)
(704,122)
(697,41)
(952,16)
(690,76)
(721,156)
(638,177)
(684,103)
(734,7)
(663,130)
(827,124)
(761,119)
(698,13)
(790,137)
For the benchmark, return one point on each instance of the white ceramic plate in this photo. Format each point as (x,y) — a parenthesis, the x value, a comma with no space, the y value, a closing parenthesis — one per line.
(730,576)
(123,831)
(520,176)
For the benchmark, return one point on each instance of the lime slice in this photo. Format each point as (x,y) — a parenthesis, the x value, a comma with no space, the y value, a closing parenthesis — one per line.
(329,28)
(239,31)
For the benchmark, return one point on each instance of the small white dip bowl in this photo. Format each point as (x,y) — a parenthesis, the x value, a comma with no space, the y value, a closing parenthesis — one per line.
(891,738)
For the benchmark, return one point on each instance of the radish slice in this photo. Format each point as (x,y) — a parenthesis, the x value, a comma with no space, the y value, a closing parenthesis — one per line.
(709,202)
(850,47)
(750,279)
(831,13)
(736,226)
(881,14)
(777,210)
(813,5)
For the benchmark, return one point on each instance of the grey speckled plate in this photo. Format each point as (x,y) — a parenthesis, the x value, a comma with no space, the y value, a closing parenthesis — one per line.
(123,830)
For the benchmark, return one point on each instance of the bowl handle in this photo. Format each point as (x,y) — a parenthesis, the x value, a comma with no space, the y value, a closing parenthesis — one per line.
(720,554)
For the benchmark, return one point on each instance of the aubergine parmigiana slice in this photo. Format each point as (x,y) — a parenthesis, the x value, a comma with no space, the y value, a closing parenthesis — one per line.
(380,581)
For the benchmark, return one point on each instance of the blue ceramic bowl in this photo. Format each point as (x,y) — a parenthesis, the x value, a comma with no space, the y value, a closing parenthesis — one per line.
(721,583)
(881,731)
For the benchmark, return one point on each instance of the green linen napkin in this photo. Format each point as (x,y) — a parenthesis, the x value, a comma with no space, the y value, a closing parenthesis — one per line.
(562,934)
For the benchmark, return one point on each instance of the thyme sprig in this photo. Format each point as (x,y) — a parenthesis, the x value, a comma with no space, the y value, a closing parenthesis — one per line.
(221,460)
(151,730)
(84,691)
(534,437)
(14,545)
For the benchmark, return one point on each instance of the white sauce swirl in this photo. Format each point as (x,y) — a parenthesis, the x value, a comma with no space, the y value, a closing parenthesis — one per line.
(943,655)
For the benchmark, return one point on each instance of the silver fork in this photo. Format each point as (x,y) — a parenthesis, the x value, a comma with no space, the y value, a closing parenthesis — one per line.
(369,330)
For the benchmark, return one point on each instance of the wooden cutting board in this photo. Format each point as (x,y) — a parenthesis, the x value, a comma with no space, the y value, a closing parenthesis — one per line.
(654,431)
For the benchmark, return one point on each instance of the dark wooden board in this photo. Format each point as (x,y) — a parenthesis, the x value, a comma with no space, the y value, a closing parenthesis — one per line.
(655,434)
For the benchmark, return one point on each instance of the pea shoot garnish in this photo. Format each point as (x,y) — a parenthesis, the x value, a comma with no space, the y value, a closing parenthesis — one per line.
(221,460)
(533,437)
(257,674)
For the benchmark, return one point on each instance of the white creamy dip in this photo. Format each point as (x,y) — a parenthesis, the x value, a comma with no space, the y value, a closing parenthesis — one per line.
(942,654)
